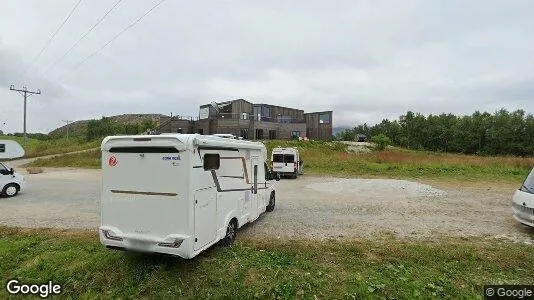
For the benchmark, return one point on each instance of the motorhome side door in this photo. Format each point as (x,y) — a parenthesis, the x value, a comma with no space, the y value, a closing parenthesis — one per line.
(259,186)
(205,217)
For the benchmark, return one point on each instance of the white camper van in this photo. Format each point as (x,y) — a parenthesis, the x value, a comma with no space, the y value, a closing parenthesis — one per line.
(179,194)
(10,182)
(286,161)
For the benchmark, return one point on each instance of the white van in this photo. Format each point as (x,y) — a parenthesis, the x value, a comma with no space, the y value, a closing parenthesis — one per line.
(286,161)
(523,201)
(179,194)
(10,182)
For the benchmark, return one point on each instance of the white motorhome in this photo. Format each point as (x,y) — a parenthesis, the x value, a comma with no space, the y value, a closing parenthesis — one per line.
(523,201)
(10,182)
(286,161)
(180,194)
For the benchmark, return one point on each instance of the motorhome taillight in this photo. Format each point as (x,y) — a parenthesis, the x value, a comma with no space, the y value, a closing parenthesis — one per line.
(109,236)
(175,244)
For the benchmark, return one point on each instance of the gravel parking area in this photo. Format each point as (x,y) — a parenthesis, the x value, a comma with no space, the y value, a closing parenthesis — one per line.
(307,207)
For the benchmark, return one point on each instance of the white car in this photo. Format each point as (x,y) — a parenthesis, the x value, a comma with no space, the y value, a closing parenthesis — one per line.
(523,201)
(10,182)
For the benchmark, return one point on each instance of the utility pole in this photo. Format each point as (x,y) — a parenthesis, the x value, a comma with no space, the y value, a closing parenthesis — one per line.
(68,122)
(24,91)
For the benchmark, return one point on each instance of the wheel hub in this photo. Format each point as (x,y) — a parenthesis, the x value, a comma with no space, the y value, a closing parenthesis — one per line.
(10,191)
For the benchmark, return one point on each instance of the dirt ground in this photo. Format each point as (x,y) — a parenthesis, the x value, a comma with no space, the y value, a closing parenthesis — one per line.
(307,207)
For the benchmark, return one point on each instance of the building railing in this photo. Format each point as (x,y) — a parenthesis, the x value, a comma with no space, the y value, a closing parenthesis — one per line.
(246,116)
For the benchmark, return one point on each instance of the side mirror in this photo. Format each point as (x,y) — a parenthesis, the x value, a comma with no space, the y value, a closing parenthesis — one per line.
(277,176)
(11,171)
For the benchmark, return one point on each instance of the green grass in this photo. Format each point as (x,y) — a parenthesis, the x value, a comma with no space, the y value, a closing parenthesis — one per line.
(87,159)
(267,268)
(35,147)
(331,158)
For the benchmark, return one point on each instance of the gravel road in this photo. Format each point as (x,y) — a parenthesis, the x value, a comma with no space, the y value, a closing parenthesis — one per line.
(311,207)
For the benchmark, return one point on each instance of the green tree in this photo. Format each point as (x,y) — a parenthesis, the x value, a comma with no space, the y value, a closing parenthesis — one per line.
(381,141)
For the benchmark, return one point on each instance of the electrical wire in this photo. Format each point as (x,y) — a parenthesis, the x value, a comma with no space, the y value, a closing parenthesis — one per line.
(83,36)
(111,40)
(50,39)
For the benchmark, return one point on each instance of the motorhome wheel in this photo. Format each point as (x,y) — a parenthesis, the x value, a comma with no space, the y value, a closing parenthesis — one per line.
(272,202)
(231,229)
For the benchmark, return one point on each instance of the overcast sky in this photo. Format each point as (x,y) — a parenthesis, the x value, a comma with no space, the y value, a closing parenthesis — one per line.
(365,60)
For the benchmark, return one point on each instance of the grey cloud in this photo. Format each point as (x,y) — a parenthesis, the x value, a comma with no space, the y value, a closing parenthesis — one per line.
(366,60)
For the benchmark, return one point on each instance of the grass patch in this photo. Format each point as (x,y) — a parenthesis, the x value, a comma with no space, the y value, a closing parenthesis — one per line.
(35,147)
(86,159)
(34,170)
(332,158)
(267,268)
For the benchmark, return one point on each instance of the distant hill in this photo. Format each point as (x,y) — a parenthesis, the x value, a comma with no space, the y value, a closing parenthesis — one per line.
(339,129)
(79,127)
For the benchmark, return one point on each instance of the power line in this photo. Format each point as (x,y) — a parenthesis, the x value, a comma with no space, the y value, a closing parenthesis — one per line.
(50,39)
(112,39)
(84,36)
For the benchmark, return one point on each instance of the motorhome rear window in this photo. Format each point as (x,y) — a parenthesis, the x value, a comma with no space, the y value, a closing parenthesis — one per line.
(2,148)
(279,158)
(212,161)
(289,158)
(141,149)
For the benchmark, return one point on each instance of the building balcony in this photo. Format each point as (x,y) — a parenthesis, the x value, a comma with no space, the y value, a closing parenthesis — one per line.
(245,116)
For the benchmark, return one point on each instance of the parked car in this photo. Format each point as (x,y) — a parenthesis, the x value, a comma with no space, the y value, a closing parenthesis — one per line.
(523,201)
(10,182)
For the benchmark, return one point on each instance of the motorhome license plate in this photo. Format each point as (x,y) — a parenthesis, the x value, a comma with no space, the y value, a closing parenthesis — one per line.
(139,245)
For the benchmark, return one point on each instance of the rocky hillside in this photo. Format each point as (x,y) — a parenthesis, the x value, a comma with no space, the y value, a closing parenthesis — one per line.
(79,127)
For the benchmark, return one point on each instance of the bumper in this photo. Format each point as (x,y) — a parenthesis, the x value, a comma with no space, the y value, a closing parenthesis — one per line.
(116,239)
(523,207)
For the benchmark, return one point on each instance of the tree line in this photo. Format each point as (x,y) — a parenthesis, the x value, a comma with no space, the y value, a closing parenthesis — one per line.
(500,133)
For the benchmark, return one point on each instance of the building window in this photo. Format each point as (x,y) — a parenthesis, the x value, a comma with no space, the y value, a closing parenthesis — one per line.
(272,134)
(244,133)
(212,161)
(259,134)
(257,113)
(285,119)
(2,148)
(324,119)
(295,134)
(266,114)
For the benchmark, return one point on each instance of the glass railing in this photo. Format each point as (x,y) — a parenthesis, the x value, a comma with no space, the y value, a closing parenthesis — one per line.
(259,118)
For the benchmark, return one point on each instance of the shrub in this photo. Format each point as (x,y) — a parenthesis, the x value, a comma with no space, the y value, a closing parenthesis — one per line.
(381,141)
(34,170)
